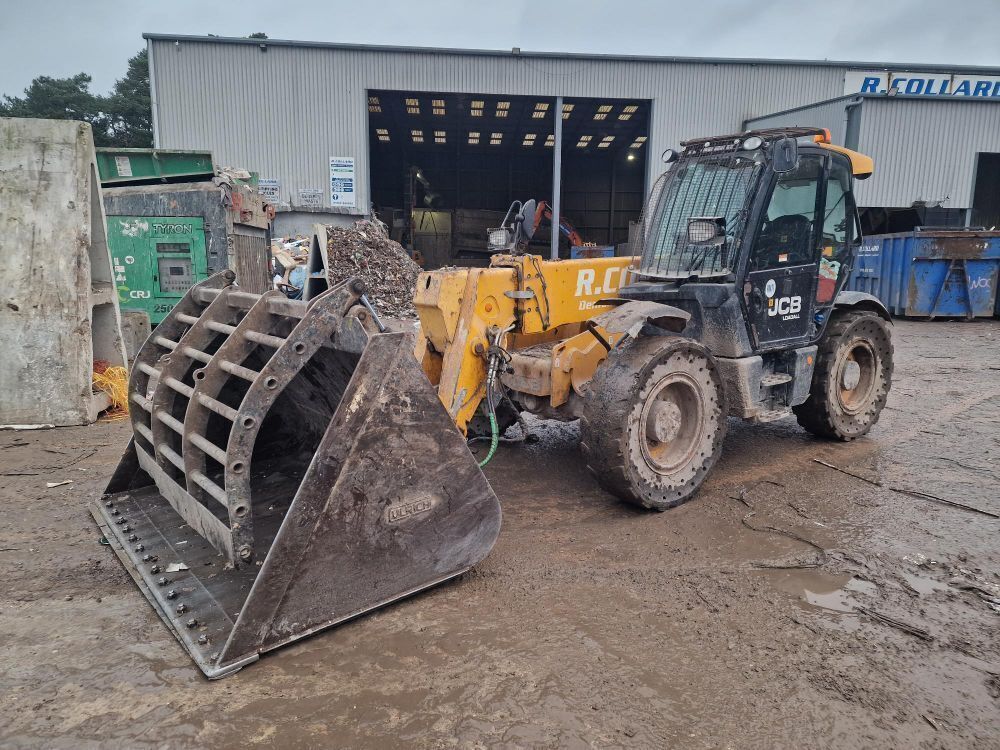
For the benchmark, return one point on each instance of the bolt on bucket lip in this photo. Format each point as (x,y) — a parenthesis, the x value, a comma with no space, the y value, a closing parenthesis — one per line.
(179,596)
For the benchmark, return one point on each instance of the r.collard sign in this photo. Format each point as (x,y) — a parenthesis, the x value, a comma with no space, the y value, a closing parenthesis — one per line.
(958,85)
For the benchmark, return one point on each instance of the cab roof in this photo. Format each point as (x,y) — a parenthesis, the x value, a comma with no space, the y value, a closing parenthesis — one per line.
(862,165)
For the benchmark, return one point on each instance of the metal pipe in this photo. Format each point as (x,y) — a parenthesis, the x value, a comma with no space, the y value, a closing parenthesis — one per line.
(238,370)
(556,179)
(363,299)
(191,353)
(217,406)
(184,390)
(852,123)
(165,343)
(154,101)
(611,206)
(266,339)
(144,403)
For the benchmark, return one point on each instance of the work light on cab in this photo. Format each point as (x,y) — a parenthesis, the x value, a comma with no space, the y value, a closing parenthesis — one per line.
(704,229)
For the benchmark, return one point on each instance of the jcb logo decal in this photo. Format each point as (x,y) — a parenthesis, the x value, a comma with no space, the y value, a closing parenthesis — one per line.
(787,307)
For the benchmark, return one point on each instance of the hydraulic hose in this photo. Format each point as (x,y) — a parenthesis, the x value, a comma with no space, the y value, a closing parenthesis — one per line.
(494,439)
(492,366)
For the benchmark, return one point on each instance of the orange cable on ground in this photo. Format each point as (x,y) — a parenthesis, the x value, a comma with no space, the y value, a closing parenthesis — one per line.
(114,382)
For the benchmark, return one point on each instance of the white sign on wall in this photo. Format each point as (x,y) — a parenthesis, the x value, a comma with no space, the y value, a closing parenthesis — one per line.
(311,197)
(269,189)
(123,166)
(342,182)
(958,85)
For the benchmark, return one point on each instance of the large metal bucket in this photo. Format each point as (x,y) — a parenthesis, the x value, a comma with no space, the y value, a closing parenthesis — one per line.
(290,468)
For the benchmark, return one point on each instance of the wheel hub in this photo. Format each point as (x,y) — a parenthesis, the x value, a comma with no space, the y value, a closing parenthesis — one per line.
(856,377)
(663,421)
(672,422)
(851,376)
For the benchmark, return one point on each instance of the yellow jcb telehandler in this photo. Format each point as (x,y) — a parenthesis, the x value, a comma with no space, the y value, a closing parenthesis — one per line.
(293,464)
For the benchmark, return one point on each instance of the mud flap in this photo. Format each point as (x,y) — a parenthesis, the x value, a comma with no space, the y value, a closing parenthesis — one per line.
(320,485)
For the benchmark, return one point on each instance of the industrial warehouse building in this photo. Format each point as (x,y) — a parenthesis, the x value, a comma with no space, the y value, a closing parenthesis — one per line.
(439,142)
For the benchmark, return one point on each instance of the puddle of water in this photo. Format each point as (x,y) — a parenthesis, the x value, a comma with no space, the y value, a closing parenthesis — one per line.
(827,591)
(841,600)
(922,585)
(808,579)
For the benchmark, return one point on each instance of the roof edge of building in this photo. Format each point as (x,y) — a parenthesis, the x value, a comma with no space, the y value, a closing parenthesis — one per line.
(876,97)
(858,64)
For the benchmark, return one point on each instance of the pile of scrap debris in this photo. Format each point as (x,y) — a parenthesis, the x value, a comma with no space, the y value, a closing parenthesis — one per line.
(366,252)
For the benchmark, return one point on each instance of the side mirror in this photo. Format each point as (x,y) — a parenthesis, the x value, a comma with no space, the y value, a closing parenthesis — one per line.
(785,155)
(528,225)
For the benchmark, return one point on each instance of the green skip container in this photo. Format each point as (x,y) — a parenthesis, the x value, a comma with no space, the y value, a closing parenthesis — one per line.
(138,166)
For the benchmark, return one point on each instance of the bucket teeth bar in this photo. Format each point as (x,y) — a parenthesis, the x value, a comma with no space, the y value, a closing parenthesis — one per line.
(290,467)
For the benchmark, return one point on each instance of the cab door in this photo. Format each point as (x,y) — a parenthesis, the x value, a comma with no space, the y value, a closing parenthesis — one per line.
(780,282)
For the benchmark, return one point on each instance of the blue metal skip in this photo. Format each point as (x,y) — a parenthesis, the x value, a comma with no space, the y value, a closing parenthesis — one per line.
(931,274)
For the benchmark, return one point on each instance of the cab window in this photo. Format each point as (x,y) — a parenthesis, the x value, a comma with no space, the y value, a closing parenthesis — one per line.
(838,225)
(788,232)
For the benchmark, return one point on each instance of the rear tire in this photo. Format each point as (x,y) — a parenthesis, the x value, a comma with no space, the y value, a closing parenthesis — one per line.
(851,379)
(654,421)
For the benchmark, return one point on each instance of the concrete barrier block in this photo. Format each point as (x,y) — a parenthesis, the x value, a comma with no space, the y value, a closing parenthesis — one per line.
(58,306)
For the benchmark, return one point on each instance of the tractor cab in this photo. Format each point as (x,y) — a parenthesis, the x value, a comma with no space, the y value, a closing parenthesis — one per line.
(753,235)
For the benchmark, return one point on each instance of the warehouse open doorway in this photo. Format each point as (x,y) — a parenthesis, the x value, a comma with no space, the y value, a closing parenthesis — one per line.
(446,167)
(986,193)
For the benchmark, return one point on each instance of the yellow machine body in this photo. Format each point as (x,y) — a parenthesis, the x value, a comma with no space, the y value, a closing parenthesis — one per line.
(544,306)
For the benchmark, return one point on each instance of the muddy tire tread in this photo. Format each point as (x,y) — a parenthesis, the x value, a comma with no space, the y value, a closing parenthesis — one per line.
(609,400)
(816,414)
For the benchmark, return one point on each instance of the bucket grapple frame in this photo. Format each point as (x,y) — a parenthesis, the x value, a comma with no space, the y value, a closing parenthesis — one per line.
(290,468)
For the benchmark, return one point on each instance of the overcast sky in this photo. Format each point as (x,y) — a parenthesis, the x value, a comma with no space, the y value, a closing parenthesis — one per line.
(63,37)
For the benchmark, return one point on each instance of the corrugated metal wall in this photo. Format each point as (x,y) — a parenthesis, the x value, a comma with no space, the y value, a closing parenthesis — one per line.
(830,114)
(925,149)
(286,110)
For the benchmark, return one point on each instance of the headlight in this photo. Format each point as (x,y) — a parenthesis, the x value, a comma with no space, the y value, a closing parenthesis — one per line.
(702,229)
(752,143)
(498,238)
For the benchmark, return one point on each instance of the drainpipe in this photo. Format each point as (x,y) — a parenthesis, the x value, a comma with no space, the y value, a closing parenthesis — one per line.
(556,180)
(852,123)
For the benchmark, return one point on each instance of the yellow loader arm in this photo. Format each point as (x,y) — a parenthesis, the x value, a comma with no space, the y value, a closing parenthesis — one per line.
(529,301)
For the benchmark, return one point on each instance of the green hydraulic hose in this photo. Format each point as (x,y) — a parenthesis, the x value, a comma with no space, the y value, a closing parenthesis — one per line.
(492,364)
(494,440)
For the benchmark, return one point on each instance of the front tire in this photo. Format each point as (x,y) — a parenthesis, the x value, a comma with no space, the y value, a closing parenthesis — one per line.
(654,421)
(851,379)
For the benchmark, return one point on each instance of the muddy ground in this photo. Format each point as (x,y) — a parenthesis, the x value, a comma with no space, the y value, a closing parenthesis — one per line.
(590,624)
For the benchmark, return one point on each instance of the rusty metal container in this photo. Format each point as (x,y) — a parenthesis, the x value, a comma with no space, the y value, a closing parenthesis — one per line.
(931,273)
